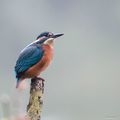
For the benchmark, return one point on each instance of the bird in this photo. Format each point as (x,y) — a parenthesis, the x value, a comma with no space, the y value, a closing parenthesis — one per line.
(35,57)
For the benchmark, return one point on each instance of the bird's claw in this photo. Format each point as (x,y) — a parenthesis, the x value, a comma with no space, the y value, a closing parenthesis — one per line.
(39,78)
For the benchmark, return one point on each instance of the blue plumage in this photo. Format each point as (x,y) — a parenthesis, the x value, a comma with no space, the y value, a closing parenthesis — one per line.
(28,57)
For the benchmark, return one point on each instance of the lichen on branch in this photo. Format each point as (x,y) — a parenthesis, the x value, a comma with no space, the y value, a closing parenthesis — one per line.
(34,108)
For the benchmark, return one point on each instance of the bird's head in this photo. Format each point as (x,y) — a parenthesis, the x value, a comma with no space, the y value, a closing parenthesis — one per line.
(47,37)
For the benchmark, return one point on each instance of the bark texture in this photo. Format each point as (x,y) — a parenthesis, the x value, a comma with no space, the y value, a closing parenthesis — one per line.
(34,107)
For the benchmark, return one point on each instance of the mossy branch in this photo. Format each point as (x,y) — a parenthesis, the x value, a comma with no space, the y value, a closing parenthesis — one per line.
(34,107)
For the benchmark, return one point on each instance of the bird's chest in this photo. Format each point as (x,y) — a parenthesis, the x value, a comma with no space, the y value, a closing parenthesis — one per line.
(43,63)
(47,57)
(48,51)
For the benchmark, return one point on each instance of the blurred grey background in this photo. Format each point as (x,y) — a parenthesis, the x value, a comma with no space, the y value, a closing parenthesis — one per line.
(83,81)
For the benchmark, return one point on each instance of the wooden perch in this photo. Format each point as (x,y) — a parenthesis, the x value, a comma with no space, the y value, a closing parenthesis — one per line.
(34,107)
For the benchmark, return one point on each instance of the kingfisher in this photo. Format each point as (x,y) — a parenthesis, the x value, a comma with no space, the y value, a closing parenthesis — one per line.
(35,57)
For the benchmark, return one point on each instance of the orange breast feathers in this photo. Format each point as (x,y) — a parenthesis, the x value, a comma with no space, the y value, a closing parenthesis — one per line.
(36,69)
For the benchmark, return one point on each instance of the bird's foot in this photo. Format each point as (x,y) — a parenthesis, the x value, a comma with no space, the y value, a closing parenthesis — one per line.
(38,78)
(38,83)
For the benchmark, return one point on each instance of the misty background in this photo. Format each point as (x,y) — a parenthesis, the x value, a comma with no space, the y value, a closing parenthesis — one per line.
(83,81)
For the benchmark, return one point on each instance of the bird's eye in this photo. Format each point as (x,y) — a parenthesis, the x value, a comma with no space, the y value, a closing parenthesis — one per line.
(50,34)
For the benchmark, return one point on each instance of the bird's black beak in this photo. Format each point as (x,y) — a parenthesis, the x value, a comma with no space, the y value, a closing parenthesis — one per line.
(58,35)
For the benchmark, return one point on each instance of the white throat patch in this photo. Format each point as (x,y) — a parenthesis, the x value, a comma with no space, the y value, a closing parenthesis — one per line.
(49,41)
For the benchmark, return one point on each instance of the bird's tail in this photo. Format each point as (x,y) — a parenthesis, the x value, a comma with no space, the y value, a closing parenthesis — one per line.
(19,79)
(18,83)
(21,84)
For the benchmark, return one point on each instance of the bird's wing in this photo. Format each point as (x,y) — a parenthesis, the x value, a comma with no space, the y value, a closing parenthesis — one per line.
(30,56)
